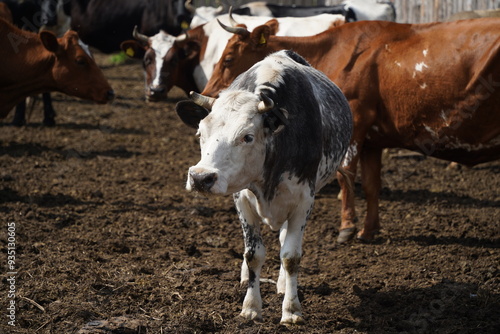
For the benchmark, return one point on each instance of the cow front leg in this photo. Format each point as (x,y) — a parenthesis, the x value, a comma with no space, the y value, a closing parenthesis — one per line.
(281,284)
(20,114)
(253,259)
(371,164)
(291,254)
(49,113)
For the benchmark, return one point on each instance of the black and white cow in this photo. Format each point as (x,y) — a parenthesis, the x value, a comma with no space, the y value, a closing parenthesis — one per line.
(262,8)
(104,24)
(370,10)
(273,138)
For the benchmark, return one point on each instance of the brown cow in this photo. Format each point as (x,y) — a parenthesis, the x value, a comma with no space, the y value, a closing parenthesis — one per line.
(433,88)
(36,63)
(5,12)
(187,61)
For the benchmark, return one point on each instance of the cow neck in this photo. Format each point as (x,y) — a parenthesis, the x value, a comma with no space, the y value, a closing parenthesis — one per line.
(199,35)
(29,70)
(328,51)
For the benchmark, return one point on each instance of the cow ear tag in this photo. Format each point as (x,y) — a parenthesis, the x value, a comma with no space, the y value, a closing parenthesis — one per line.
(184,25)
(262,39)
(130,52)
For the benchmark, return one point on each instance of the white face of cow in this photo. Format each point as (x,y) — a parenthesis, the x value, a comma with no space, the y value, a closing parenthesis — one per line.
(161,43)
(232,146)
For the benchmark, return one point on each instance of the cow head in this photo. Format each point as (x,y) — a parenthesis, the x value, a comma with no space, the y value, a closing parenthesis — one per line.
(164,58)
(234,131)
(242,51)
(74,70)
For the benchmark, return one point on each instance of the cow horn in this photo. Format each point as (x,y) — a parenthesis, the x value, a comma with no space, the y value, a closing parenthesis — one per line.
(182,37)
(219,10)
(231,18)
(189,6)
(266,104)
(235,30)
(140,37)
(202,100)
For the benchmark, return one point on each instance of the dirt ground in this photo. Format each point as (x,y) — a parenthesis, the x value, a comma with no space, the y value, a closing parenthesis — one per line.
(105,229)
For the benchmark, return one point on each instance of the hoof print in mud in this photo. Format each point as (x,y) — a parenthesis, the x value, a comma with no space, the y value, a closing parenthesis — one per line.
(122,325)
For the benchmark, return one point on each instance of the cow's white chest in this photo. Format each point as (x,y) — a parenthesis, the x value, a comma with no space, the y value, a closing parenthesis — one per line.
(291,195)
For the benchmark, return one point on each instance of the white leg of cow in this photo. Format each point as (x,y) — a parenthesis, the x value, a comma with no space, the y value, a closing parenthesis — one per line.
(291,253)
(254,257)
(244,273)
(281,284)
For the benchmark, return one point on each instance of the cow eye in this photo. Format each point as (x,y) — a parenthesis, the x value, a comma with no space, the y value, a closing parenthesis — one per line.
(248,139)
(81,61)
(228,61)
(147,61)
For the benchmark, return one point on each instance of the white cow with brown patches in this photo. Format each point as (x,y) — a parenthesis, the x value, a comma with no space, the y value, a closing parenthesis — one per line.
(187,61)
(274,138)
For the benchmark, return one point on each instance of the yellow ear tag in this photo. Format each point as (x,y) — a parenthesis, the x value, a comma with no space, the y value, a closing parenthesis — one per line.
(262,39)
(184,25)
(130,52)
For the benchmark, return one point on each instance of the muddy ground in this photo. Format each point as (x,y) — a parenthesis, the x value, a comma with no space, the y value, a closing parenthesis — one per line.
(105,229)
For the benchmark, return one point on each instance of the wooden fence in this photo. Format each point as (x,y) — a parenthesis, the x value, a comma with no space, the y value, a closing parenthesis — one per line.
(407,11)
(413,11)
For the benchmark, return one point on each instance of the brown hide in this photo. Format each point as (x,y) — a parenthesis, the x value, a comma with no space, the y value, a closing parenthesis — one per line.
(434,88)
(5,12)
(36,63)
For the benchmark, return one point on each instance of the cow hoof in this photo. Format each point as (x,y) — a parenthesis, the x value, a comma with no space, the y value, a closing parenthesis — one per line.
(251,315)
(346,235)
(18,123)
(293,319)
(367,236)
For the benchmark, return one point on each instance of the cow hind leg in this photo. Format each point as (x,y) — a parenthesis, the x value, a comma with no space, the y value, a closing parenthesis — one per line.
(347,229)
(371,164)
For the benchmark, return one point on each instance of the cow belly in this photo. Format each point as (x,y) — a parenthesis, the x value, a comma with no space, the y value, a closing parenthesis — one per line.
(326,171)
(453,149)
(470,147)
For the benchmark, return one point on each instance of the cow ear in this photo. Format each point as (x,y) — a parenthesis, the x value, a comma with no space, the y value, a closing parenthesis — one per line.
(133,49)
(191,49)
(276,120)
(190,113)
(260,35)
(273,25)
(49,41)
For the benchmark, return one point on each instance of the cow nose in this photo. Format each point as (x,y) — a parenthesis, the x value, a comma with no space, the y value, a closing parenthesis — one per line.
(202,181)
(156,93)
(157,89)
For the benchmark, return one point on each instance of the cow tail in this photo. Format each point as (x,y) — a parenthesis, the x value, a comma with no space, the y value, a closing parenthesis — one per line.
(345,175)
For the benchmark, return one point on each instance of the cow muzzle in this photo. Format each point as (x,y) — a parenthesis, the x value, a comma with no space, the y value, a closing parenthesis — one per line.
(157,93)
(201,180)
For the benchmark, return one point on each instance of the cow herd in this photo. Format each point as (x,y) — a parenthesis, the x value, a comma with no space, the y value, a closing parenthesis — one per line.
(284,99)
